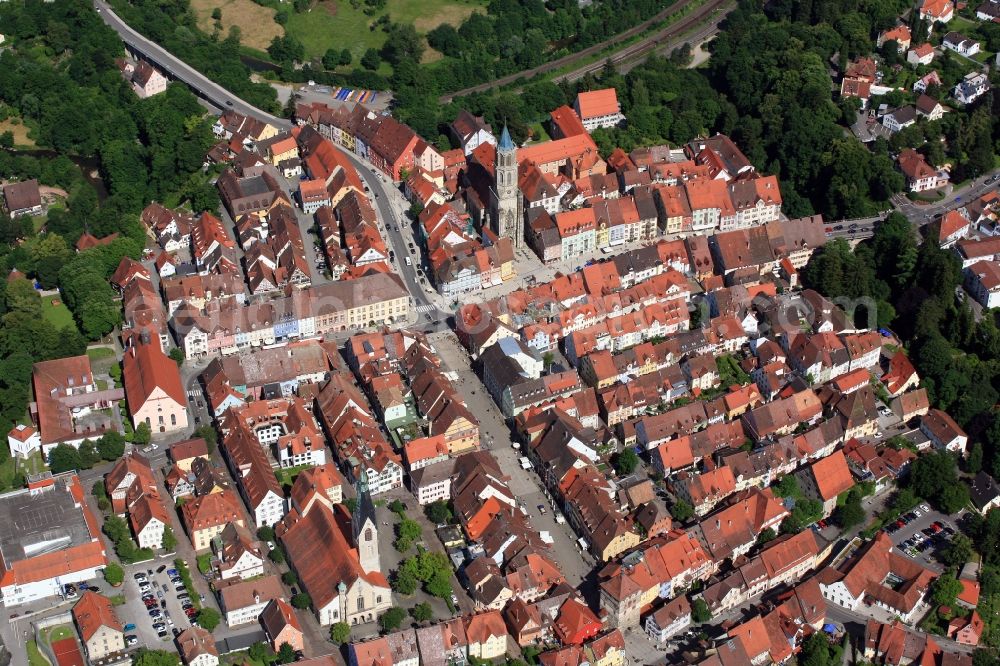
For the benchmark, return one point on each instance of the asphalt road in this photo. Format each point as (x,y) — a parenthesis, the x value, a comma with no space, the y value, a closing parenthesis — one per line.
(525,484)
(921,214)
(391,204)
(177,69)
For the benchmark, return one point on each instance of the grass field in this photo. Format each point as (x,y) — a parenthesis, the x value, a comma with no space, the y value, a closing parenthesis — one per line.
(58,315)
(538,133)
(962,24)
(35,658)
(58,633)
(19,130)
(97,353)
(336,24)
(287,475)
(34,464)
(256,23)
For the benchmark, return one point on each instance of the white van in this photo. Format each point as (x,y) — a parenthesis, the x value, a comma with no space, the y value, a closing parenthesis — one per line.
(525,463)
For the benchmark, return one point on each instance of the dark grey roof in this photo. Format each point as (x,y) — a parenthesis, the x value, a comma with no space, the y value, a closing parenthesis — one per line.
(984,490)
(45,522)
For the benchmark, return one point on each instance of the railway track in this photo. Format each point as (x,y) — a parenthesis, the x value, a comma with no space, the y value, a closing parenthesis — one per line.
(580,55)
(669,38)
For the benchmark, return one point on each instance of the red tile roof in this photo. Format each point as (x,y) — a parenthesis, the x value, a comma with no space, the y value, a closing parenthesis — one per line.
(952,223)
(424,448)
(92,612)
(481,627)
(596,103)
(189,448)
(195,641)
(571,148)
(211,510)
(970,592)
(576,622)
(145,369)
(321,553)
(52,381)
(566,122)
(900,33)
(832,475)
(913,165)
(276,616)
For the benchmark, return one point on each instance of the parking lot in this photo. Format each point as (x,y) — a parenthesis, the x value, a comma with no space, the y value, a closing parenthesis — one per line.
(167,604)
(911,538)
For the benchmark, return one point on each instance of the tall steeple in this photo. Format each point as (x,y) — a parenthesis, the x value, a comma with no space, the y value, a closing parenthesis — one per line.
(507,209)
(505,142)
(365,526)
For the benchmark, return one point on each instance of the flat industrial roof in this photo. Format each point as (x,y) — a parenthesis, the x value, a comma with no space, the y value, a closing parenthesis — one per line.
(45,522)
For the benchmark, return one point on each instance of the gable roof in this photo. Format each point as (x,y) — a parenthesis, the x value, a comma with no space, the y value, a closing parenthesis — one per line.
(321,553)
(596,103)
(145,369)
(211,510)
(913,165)
(92,612)
(832,475)
(189,448)
(194,642)
(481,627)
(276,616)
(22,195)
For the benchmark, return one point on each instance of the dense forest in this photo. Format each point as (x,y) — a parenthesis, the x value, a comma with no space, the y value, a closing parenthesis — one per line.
(59,78)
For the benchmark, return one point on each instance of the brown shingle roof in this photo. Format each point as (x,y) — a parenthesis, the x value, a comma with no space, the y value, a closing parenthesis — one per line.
(195,641)
(22,195)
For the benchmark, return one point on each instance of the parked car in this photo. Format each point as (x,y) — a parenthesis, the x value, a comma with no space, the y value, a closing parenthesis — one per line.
(131,640)
(128,627)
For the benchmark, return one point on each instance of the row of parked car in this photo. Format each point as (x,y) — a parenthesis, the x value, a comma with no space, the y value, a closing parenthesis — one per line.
(153,597)
(907,519)
(71,591)
(934,536)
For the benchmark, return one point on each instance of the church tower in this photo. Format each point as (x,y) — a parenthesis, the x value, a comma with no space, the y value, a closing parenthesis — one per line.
(508,216)
(365,527)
